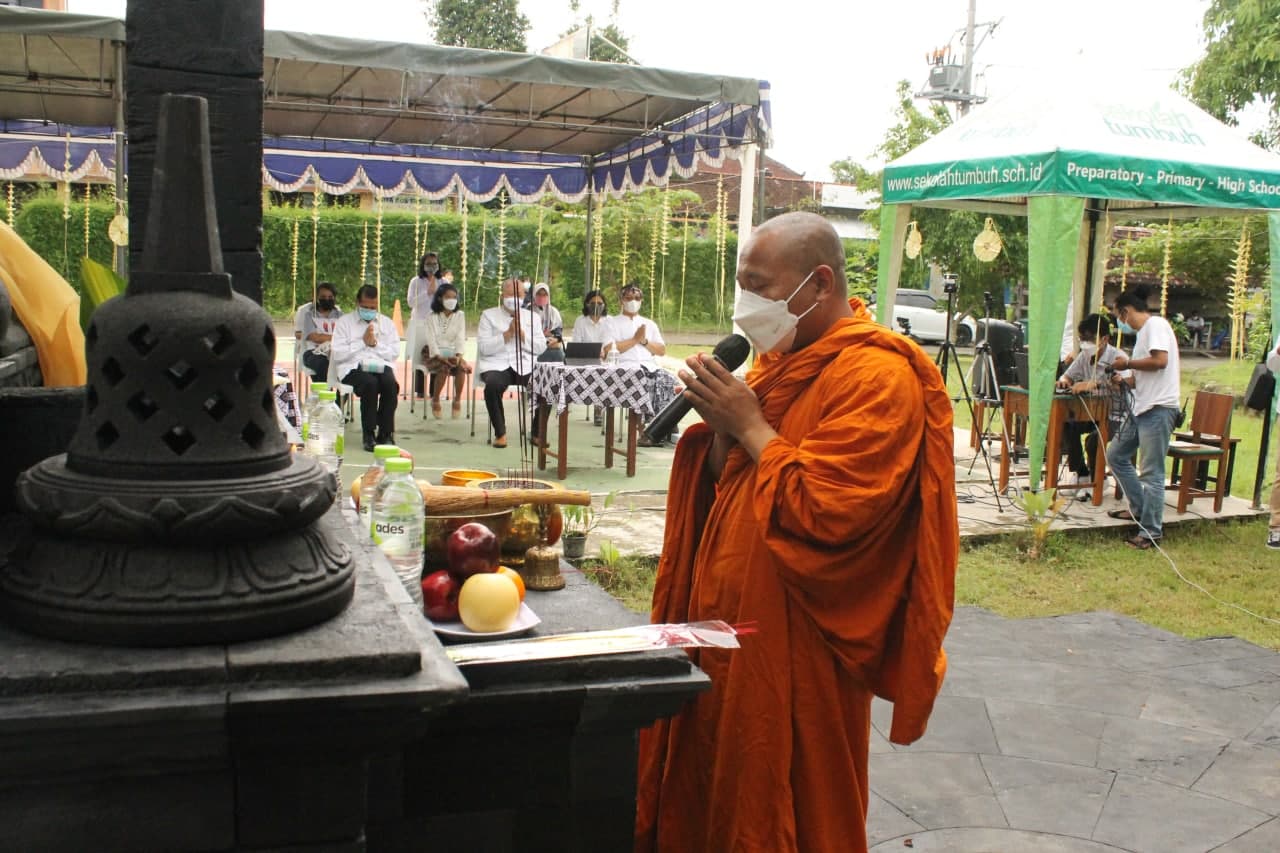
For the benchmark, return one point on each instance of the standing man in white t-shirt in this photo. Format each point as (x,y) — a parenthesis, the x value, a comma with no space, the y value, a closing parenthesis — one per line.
(1156,380)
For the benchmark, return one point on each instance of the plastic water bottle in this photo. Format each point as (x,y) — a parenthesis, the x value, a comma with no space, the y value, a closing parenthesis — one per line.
(325,439)
(398,521)
(369,481)
(309,405)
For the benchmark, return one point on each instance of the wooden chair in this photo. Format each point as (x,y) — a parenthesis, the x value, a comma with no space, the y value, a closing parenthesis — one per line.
(1208,440)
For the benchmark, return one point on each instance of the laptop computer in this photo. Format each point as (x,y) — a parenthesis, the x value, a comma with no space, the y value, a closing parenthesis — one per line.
(581,354)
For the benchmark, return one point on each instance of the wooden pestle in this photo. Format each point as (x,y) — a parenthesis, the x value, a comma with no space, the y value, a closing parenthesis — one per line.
(445,500)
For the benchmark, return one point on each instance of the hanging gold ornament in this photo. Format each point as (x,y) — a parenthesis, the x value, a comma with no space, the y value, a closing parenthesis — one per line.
(722,242)
(654,240)
(597,239)
(987,245)
(317,199)
(626,239)
(914,242)
(377,250)
(684,268)
(9,204)
(1166,268)
(1239,290)
(502,235)
(66,184)
(364,254)
(537,264)
(118,230)
(462,244)
(417,226)
(293,266)
(484,242)
(87,199)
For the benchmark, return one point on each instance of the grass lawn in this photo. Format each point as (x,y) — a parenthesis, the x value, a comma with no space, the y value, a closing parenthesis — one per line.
(1083,571)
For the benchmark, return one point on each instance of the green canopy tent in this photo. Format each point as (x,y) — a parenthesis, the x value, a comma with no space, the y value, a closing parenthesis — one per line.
(1063,160)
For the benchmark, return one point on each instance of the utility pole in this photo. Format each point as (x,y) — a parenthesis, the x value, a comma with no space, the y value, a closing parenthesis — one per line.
(951,80)
(962,108)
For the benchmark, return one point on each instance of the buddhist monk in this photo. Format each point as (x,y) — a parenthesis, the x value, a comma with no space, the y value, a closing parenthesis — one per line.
(816,501)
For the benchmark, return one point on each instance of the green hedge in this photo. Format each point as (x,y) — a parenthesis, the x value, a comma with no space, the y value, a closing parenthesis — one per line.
(341,232)
(61,241)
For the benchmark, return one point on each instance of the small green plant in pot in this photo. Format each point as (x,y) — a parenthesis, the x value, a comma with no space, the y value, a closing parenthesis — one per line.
(578,522)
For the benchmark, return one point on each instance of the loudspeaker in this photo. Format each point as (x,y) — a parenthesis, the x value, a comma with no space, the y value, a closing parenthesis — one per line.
(1005,342)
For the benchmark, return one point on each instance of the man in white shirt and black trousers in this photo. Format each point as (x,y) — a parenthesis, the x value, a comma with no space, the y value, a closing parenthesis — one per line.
(1156,380)
(365,350)
(508,341)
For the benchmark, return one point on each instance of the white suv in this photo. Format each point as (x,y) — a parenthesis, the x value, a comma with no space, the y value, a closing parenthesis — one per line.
(928,318)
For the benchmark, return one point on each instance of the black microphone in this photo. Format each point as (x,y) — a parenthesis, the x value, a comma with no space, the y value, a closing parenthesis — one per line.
(730,352)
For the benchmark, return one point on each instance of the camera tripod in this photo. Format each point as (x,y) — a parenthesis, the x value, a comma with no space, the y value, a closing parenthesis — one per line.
(982,355)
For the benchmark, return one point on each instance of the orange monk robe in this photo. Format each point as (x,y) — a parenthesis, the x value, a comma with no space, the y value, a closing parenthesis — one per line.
(48,309)
(841,542)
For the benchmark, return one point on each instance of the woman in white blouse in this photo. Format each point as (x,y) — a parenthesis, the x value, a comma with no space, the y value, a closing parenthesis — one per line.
(592,327)
(445,336)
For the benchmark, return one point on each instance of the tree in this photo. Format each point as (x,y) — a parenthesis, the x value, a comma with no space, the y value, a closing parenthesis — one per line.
(1241,63)
(608,43)
(486,24)
(948,234)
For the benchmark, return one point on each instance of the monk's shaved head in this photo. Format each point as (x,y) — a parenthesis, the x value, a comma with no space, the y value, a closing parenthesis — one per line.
(798,256)
(804,240)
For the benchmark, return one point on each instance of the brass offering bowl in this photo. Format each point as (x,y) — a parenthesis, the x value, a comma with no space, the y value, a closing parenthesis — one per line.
(524,530)
(438,527)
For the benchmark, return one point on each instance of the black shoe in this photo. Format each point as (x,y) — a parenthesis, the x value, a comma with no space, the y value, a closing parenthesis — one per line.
(386,439)
(369,443)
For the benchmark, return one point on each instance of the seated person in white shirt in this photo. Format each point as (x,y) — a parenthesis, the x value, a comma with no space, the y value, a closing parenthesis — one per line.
(365,349)
(445,337)
(593,326)
(316,324)
(636,339)
(508,342)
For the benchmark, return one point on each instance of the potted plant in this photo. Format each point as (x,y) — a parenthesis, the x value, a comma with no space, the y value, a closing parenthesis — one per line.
(578,522)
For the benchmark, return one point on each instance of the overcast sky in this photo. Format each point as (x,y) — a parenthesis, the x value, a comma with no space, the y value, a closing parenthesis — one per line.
(833,66)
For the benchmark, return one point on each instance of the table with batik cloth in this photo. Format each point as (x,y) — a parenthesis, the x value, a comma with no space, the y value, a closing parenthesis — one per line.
(641,392)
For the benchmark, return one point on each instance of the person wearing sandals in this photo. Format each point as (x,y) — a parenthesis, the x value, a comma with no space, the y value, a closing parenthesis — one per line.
(445,336)
(1156,382)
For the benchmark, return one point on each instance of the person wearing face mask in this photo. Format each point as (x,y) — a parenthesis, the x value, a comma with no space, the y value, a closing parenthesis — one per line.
(593,326)
(317,329)
(637,339)
(1155,377)
(445,334)
(816,499)
(552,323)
(365,351)
(509,340)
(421,293)
(1090,373)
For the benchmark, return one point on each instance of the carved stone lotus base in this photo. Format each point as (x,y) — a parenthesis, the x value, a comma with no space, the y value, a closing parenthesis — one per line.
(96,591)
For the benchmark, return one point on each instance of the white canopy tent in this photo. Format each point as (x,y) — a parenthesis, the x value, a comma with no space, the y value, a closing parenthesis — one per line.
(1091,149)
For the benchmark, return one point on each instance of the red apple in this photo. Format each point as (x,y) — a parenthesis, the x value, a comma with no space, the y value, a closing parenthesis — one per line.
(440,596)
(471,550)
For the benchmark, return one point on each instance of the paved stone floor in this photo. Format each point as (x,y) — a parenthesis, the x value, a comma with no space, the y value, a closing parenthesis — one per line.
(1090,732)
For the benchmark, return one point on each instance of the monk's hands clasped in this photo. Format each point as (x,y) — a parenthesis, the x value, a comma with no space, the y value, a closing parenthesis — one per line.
(725,402)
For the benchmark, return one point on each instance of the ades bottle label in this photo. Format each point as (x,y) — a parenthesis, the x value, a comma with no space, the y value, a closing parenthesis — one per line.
(397,538)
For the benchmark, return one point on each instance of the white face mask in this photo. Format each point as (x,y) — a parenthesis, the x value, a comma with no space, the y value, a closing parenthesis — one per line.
(449,304)
(631,306)
(1088,348)
(511,303)
(768,323)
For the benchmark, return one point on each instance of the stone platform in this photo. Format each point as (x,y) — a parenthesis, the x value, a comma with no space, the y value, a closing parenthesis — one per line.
(1083,734)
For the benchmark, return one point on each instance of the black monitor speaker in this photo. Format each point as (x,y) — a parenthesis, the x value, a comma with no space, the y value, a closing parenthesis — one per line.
(1005,342)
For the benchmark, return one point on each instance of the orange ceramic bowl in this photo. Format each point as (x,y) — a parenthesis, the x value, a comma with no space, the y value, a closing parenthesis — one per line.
(462,476)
